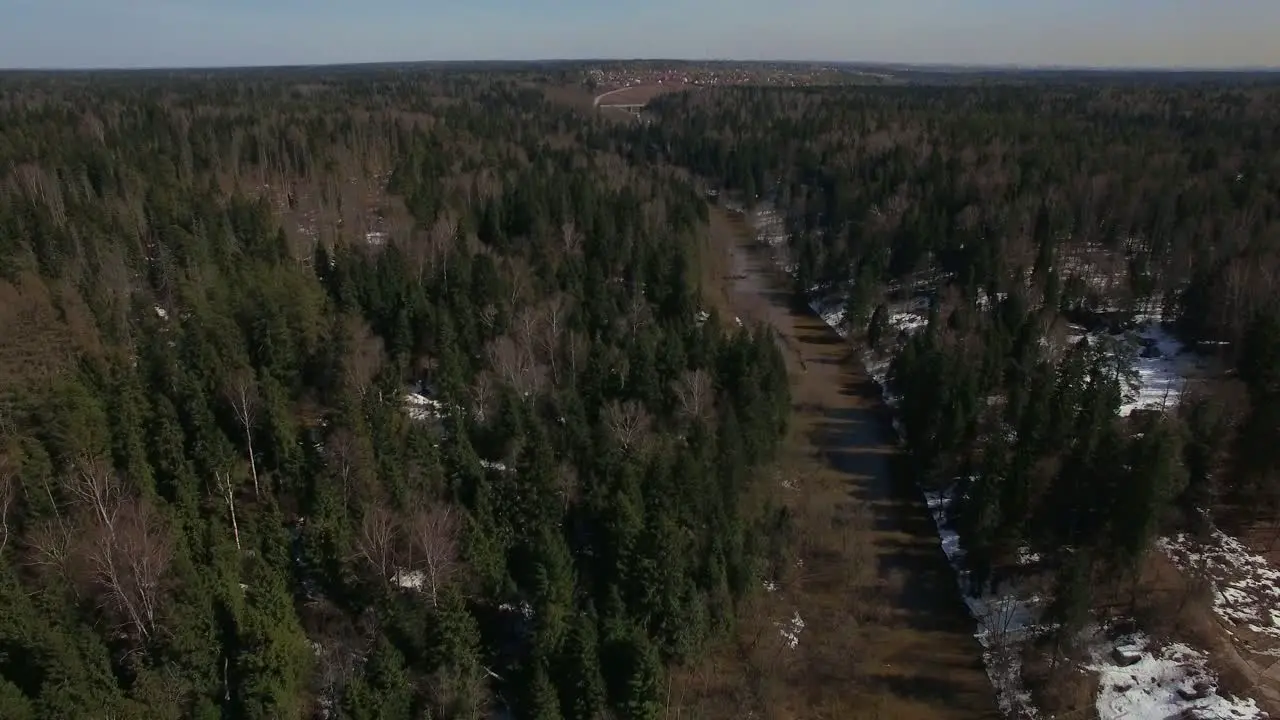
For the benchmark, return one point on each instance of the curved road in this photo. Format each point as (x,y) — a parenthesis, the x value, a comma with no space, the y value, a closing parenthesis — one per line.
(929,661)
(601,96)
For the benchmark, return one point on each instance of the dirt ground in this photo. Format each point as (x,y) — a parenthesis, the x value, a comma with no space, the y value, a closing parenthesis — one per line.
(885,634)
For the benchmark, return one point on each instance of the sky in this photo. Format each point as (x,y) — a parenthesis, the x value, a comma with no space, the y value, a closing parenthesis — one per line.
(202,33)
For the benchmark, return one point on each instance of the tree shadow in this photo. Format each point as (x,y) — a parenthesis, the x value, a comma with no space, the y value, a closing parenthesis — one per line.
(933,690)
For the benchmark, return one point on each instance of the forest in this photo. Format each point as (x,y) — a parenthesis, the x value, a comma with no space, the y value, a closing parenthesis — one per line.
(396,392)
(378,394)
(1028,226)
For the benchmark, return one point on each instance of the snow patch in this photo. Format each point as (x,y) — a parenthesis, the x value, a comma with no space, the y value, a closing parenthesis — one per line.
(1160,369)
(1006,620)
(790,631)
(422,408)
(1172,681)
(410,580)
(1246,585)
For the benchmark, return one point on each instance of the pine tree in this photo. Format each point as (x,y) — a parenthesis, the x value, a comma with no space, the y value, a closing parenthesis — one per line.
(643,699)
(582,689)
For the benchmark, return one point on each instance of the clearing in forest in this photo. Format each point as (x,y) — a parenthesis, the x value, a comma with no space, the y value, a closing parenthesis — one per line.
(868,623)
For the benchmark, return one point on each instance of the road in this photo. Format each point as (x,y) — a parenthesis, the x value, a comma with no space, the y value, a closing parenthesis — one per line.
(601,96)
(929,663)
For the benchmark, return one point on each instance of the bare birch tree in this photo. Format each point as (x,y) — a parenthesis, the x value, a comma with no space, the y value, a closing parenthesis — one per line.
(346,455)
(241,392)
(629,423)
(376,541)
(94,484)
(638,314)
(8,493)
(227,490)
(50,545)
(696,395)
(515,364)
(433,546)
(440,241)
(482,395)
(577,351)
(519,283)
(553,318)
(127,563)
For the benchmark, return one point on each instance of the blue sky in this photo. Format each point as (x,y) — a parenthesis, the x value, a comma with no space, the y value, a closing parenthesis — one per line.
(150,33)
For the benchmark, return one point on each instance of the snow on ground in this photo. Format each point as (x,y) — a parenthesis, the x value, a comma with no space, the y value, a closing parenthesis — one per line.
(1139,681)
(1006,620)
(1246,585)
(1161,369)
(790,631)
(410,580)
(420,407)
(1169,682)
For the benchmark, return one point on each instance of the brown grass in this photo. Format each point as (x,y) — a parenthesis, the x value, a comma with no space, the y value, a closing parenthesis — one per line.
(885,634)
(638,94)
(1059,687)
(572,95)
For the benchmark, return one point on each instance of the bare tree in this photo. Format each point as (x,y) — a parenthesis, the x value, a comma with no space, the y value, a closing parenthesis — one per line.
(514,363)
(346,455)
(553,318)
(364,359)
(576,352)
(433,546)
(439,245)
(505,357)
(94,484)
(519,283)
(525,327)
(50,545)
(482,395)
(629,423)
(570,238)
(8,493)
(127,563)
(227,489)
(696,394)
(638,313)
(376,540)
(241,391)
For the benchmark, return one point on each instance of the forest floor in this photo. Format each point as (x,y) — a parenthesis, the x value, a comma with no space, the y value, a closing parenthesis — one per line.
(868,622)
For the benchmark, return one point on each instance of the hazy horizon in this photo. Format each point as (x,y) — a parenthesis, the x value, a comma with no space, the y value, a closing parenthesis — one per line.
(1089,34)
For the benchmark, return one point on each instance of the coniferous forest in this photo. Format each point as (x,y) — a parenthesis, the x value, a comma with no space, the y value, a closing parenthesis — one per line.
(377,394)
(1029,221)
(396,393)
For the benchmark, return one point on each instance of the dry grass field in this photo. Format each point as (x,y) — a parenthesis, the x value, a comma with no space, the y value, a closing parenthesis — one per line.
(637,94)
(884,633)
